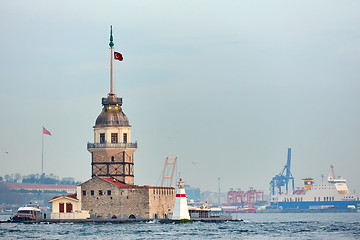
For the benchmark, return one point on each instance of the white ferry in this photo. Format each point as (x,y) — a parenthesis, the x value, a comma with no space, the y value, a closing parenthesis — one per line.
(29,212)
(327,196)
(204,213)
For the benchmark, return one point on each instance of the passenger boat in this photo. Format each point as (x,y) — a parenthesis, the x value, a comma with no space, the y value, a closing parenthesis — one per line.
(332,195)
(29,212)
(204,213)
(247,210)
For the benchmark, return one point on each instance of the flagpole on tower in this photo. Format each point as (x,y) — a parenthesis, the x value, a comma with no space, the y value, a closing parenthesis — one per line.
(111,44)
(42,153)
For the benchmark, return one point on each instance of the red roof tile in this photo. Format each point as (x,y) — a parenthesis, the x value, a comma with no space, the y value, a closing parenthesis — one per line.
(55,197)
(73,196)
(122,185)
(118,183)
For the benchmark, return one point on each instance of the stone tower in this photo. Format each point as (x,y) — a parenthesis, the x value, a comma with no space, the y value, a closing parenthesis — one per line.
(112,151)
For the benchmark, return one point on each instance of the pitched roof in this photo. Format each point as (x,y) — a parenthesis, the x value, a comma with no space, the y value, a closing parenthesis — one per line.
(72,196)
(117,183)
(123,185)
(120,184)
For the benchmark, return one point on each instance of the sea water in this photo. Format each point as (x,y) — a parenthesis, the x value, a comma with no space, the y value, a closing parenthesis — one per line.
(254,226)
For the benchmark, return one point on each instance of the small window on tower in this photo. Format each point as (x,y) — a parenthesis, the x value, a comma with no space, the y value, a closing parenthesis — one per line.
(92,192)
(114,138)
(102,137)
(112,158)
(125,137)
(84,193)
(100,192)
(108,192)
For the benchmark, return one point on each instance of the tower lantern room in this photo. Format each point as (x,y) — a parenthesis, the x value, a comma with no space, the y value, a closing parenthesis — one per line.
(112,150)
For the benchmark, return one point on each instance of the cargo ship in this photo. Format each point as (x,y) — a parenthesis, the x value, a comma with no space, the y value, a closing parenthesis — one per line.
(330,196)
(326,196)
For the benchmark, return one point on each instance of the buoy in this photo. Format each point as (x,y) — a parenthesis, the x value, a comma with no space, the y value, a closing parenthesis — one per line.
(181,211)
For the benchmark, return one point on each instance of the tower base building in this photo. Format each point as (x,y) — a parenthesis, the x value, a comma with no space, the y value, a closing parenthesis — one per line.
(106,197)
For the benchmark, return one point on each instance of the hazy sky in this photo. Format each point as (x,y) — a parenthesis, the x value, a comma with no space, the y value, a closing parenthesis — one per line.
(227,85)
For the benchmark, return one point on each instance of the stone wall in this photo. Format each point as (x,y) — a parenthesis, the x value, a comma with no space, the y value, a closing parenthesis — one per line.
(73,215)
(161,201)
(109,200)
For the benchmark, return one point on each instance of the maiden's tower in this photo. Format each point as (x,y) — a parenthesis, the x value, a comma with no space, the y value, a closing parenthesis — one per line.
(111,193)
(112,153)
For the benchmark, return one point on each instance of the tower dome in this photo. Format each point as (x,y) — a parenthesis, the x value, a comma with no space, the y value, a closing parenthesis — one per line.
(112,114)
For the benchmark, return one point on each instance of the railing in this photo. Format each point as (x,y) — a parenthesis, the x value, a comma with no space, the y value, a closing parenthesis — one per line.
(115,100)
(112,145)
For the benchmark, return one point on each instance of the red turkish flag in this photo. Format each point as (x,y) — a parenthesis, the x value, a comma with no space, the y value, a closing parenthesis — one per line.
(118,56)
(46,132)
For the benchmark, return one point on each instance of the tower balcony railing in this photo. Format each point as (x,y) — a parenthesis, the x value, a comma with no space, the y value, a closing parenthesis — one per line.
(106,101)
(111,145)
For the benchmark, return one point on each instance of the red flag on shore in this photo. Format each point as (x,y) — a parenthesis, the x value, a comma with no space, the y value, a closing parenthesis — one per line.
(46,132)
(118,56)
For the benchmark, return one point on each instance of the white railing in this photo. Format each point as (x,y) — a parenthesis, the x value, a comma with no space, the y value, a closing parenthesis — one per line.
(112,145)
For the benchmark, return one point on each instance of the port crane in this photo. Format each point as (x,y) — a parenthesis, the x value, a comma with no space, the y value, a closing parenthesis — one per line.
(168,172)
(283,178)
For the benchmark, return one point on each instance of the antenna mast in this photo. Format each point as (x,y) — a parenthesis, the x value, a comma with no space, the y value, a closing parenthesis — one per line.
(332,171)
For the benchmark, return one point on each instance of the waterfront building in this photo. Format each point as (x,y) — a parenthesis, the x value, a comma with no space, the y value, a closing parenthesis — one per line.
(68,207)
(106,197)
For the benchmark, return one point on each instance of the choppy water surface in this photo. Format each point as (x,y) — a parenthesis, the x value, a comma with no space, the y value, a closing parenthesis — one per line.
(255,226)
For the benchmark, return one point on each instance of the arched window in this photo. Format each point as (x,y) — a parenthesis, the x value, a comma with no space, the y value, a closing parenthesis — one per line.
(69,207)
(61,207)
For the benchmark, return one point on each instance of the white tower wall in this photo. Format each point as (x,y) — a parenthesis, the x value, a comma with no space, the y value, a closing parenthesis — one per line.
(181,211)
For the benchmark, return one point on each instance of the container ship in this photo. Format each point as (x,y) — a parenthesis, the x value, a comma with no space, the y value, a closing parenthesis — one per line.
(326,196)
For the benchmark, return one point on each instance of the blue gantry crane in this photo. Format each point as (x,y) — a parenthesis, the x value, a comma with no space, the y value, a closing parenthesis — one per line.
(283,178)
